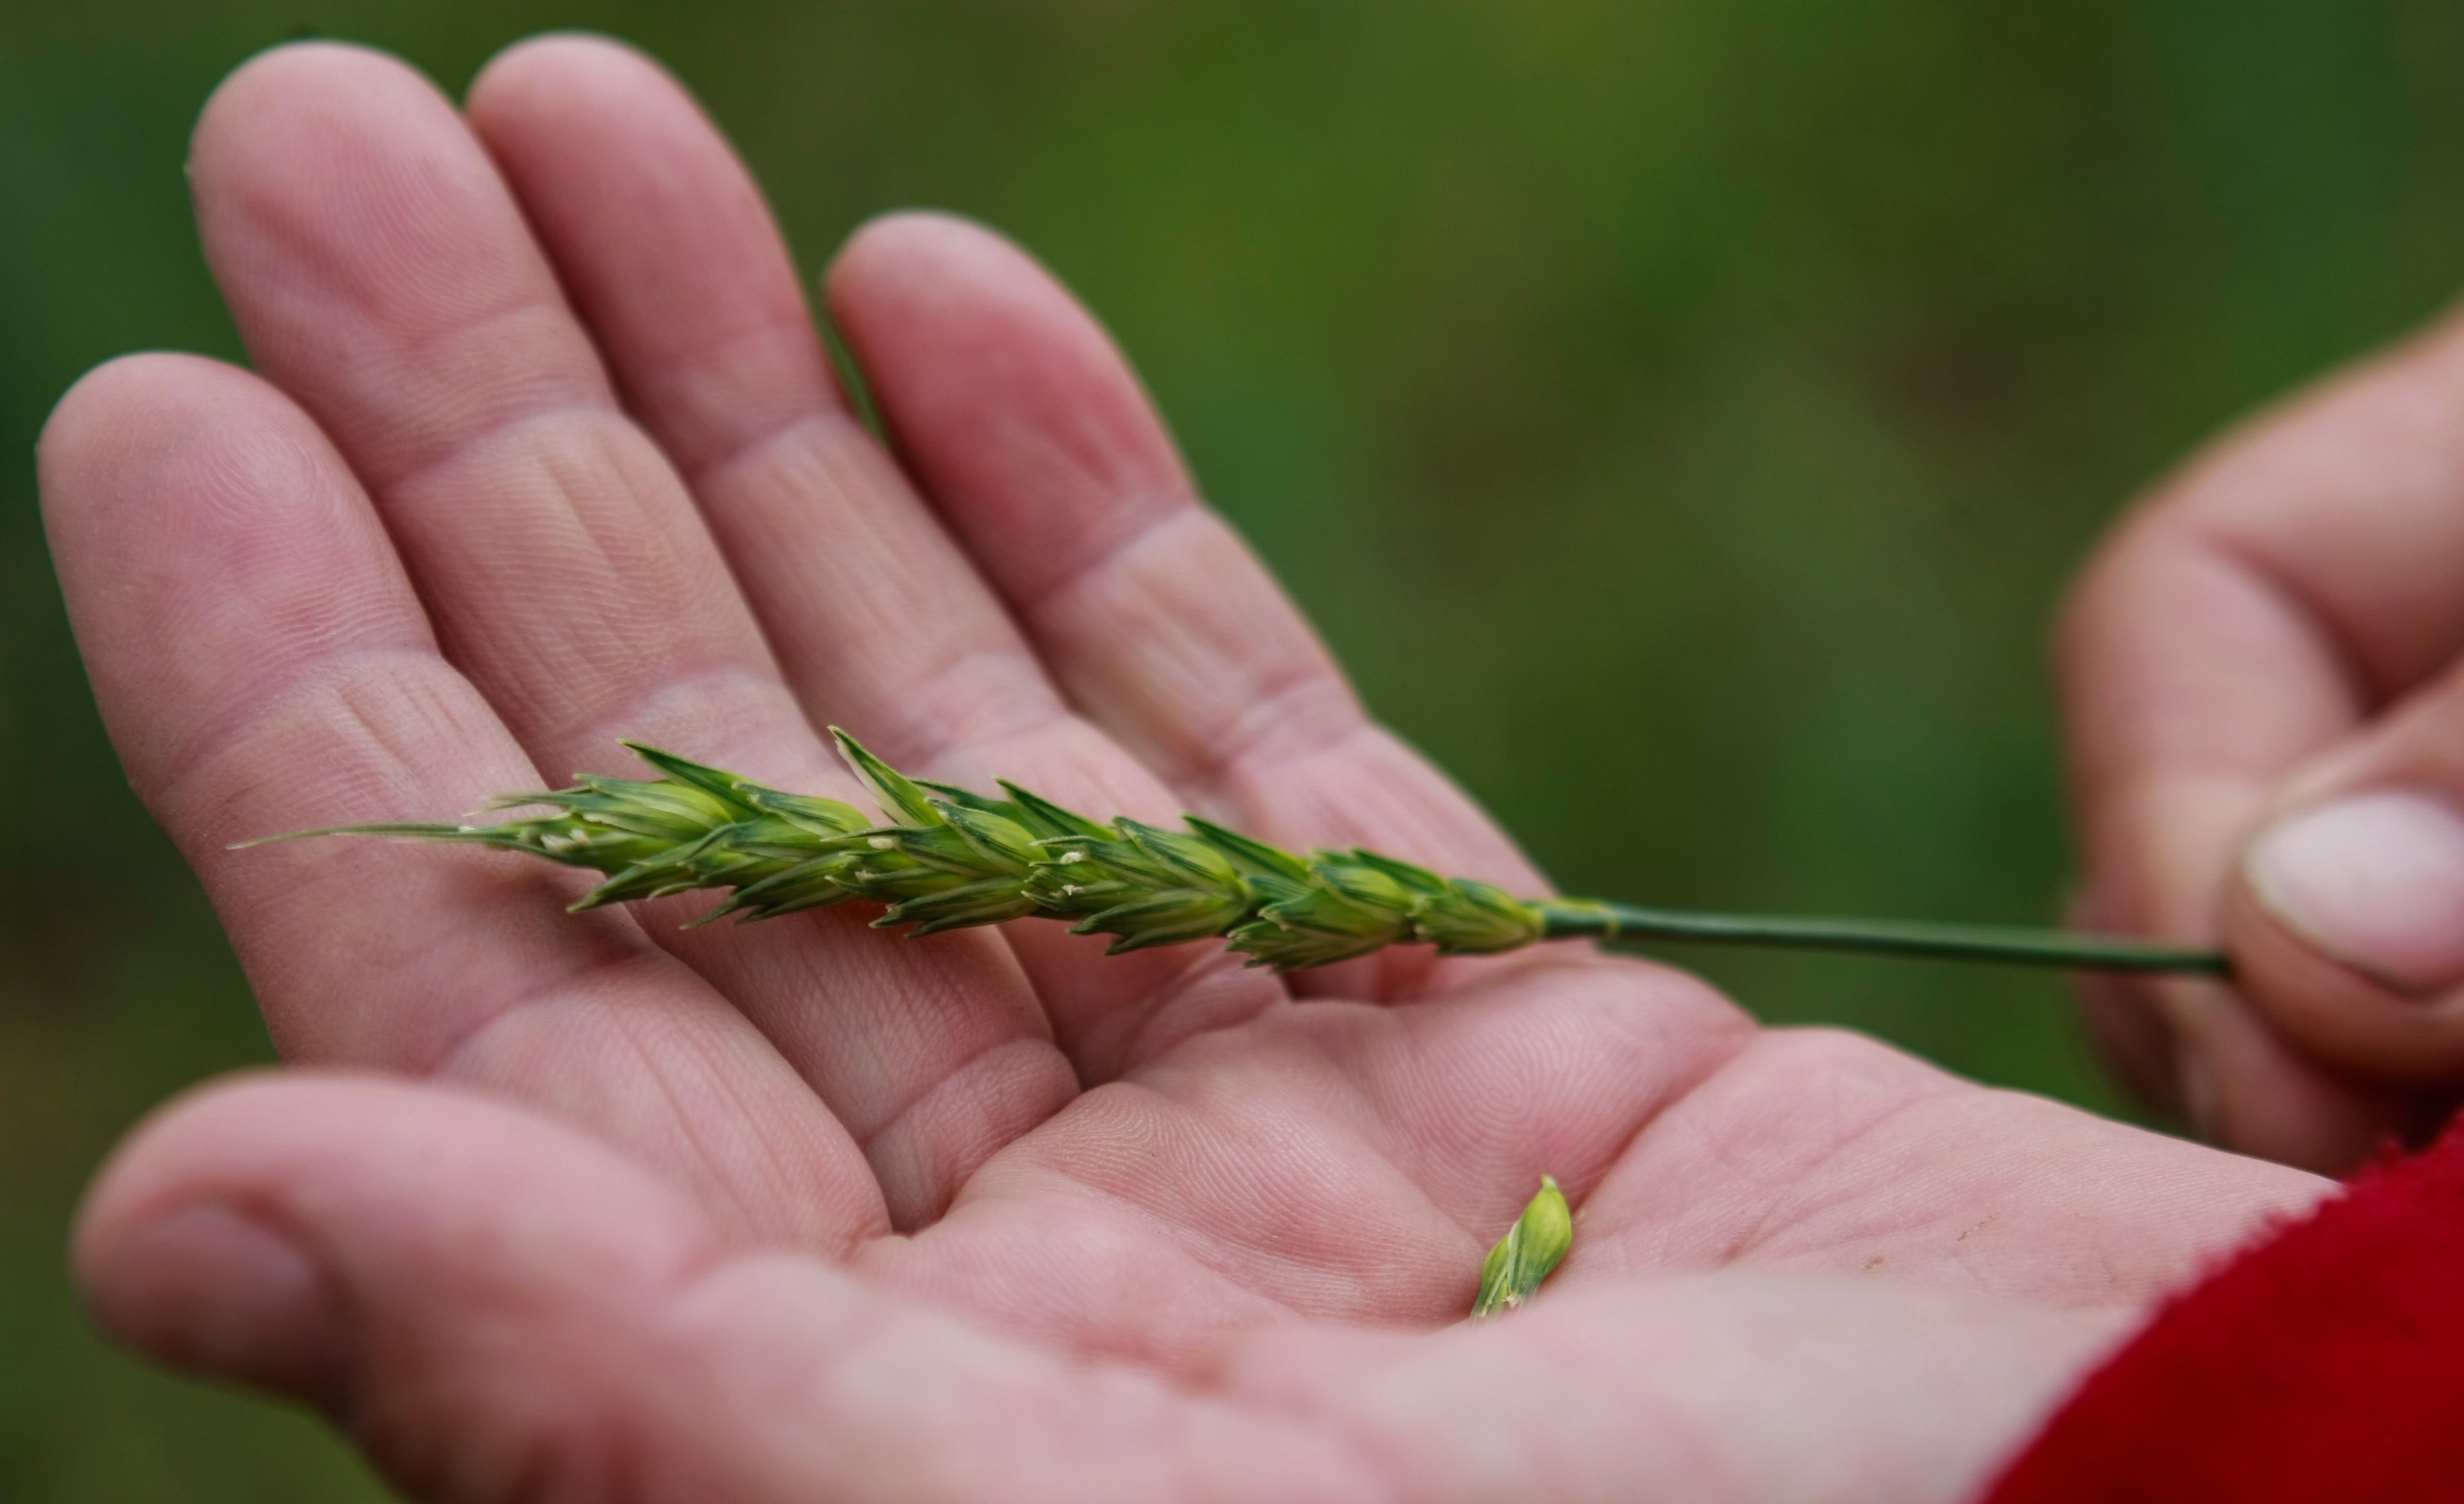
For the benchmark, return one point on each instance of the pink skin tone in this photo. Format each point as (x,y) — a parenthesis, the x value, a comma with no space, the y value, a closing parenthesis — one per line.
(2267,746)
(540,449)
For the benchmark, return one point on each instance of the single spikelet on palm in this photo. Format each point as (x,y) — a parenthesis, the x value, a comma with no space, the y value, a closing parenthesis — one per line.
(1530,1252)
(944,857)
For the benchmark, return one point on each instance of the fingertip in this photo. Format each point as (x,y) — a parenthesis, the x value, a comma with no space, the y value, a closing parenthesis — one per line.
(390,1189)
(928,277)
(2375,879)
(147,449)
(187,1149)
(211,1289)
(127,400)
(2346,1018)
(170,1261)
(662,241)
(356,227)
(458,1275)
(556,71)
(2345,919)
(892,246)
(294,82)
(1021,418)
(139,395)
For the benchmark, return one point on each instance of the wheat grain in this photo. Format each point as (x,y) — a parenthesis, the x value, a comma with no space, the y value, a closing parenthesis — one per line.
(1530,1252)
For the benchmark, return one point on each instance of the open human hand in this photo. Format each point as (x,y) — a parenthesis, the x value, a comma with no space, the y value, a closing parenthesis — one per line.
(542,449)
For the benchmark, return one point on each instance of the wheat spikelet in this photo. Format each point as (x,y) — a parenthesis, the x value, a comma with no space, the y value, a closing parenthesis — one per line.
(944,857)
(1530,1252)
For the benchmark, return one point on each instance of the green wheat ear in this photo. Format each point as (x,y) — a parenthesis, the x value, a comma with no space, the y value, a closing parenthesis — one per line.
(946,857)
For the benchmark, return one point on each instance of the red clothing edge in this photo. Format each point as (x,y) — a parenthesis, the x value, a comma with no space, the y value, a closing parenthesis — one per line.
(2322,1361)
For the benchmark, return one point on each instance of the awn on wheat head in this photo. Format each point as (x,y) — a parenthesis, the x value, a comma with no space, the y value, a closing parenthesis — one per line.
(944,857)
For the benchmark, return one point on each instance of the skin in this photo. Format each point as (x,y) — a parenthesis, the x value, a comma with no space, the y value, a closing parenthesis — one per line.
(540,449)
(2271,632)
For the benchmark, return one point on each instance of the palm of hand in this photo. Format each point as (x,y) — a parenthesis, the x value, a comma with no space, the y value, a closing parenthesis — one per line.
(797,1211)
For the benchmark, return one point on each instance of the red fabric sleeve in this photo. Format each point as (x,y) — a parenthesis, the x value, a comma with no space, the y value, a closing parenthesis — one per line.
(2325,1362)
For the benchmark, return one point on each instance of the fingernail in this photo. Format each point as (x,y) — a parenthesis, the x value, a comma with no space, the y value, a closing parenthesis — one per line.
(2376,880)
(210,1289)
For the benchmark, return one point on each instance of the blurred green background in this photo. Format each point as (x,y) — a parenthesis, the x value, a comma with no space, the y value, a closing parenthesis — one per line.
(1682,414)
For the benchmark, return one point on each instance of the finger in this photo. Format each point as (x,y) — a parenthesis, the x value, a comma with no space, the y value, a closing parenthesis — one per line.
(382,274)
(665,246)
(2348,912)
(879,621)
(2233,632)
(1038,447)
(504,1310)
(2346,502)
(243,1229)
(264,667)
(1038,444)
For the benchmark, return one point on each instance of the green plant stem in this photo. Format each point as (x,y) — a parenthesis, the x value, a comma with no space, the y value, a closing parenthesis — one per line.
(947,858)
(1626,923)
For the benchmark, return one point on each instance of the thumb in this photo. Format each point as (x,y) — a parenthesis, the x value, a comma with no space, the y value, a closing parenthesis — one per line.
(2346,918)
(459,1282)
(504,1310)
